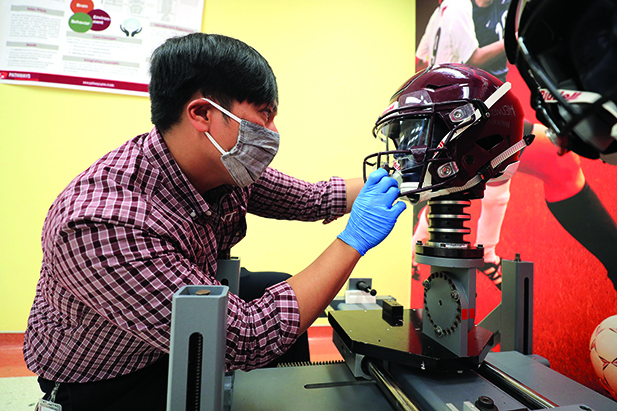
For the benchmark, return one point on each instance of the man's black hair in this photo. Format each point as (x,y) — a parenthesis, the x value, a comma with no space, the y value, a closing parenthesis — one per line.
(222,68)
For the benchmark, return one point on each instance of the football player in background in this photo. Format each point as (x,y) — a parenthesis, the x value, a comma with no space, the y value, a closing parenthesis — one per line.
(567,54)
(472,32)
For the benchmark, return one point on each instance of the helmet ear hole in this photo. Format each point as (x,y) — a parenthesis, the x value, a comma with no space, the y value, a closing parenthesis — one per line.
(489,142)
(437,86)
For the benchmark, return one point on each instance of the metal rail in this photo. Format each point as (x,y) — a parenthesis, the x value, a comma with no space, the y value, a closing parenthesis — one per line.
(390,388)
(518,390)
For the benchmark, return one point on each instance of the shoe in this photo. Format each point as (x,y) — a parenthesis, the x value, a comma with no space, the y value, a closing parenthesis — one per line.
(493,272)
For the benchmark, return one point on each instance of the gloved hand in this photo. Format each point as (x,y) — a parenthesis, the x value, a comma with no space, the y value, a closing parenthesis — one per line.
(373,215)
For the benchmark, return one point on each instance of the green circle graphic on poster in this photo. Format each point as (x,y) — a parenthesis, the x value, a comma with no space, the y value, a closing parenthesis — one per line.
(80,22)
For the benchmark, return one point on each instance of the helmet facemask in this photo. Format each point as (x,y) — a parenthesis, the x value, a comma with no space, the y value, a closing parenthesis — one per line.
(416,140)
(437,148)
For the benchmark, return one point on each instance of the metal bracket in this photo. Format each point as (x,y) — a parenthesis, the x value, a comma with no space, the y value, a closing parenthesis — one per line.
(512,319)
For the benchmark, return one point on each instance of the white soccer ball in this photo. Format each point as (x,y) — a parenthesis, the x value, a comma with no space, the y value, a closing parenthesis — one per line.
(603,353)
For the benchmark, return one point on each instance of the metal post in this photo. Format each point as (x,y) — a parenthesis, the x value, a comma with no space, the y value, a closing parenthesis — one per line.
(512,319)
(228,273)
(197,350)
(517,306)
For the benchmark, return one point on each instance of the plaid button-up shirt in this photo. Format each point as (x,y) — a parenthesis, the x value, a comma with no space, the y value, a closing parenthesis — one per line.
(131,230)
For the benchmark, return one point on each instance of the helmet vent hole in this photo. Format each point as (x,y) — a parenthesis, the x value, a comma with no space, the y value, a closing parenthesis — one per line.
(489,142)
(437,86)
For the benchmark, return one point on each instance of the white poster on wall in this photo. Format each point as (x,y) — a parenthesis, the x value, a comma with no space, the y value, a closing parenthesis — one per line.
(100,45)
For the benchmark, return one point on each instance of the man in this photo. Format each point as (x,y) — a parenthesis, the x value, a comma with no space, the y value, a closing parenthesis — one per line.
(489,19)
(154,215)
(450,37)
(567,52)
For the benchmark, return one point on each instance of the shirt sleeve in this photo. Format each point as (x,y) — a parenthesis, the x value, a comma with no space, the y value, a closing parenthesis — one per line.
(263,330)
(128,277)
(277,195)
(422,51)
(463,39)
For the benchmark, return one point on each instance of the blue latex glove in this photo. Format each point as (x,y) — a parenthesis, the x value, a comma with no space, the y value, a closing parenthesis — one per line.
(373,215)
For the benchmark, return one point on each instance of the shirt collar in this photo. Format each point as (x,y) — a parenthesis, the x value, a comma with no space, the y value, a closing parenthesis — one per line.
(158,154)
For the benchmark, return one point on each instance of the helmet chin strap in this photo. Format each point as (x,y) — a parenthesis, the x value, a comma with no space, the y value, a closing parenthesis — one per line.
(582,97)
(480,177)
(611,108)
(489,102)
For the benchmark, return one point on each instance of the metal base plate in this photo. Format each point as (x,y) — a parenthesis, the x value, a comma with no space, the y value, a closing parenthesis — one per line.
(434,392)
(333,387)
(313,387)
(366,333)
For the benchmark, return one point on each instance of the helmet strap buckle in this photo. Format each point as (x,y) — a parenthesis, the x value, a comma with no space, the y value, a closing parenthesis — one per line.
(486,172)
(485,114)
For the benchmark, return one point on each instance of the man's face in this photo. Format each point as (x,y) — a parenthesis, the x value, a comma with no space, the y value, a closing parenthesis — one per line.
(226,132)
(262,115)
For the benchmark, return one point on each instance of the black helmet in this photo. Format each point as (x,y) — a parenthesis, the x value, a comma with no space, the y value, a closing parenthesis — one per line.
(566,52)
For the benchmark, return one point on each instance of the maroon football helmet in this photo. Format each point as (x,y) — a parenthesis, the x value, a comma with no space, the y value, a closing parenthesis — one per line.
(449,129)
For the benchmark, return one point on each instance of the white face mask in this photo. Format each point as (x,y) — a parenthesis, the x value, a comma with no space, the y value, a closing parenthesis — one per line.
(253,152)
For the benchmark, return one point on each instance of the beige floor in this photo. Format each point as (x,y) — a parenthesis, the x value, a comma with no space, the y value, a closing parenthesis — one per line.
(19,393)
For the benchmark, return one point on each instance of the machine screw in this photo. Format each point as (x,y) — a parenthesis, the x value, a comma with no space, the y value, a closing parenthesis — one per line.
(426,284)
(455,295)
(447,169)
(438,331)
(485,403)
(457,114)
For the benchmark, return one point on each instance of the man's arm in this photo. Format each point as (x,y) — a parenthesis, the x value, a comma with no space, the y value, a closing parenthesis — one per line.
(277,195)
(422,51)
(372,217)
(317,285)
(483,55)
(352,187)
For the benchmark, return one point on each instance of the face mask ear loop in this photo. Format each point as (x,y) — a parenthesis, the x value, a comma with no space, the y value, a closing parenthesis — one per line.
(213,141)
(223,110)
